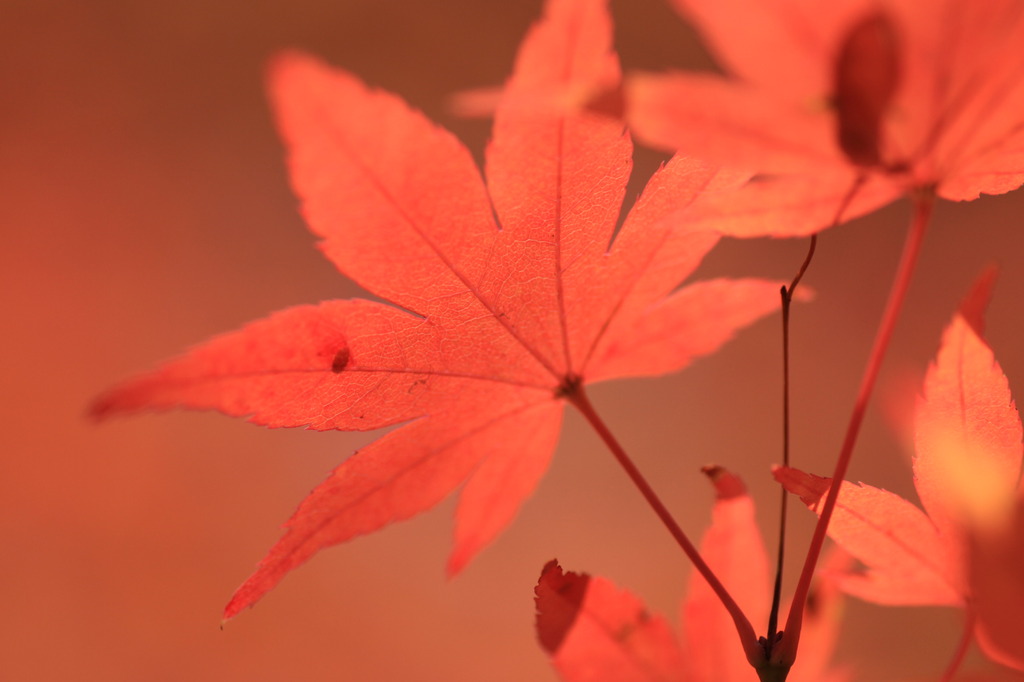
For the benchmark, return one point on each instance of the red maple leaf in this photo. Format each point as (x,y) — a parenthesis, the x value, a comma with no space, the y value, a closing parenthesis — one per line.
(967,469)
(487,330)
(890,96)
(597,632)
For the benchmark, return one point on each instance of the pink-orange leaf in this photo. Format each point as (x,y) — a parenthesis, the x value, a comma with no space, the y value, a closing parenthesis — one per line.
(908,561)
(733,548)
(968,433)
(902,94)
(823,614)
(559,598)
(502,298)
(596,632)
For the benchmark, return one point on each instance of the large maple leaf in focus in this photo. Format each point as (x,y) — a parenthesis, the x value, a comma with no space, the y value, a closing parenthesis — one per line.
(892,95)
(490,326)
(967,470)
(597,632)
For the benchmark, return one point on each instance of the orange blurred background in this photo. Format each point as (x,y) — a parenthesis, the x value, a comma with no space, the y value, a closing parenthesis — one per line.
(145,207)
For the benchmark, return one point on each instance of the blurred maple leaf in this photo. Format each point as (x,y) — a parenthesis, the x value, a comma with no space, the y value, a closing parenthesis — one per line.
(996,579)
(967,470)
(596,632)
(489,329)
(890,96)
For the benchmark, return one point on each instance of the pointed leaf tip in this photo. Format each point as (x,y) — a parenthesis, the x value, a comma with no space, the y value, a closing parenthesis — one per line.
(733,548)
(973,307)
(99,408)
(559,597)
(810,488)
(727,484)
(282,62)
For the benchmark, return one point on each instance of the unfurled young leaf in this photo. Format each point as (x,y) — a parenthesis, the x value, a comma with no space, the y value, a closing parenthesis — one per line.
(596,632)
(503,298)
(733,548)
(895,95)
(967,471)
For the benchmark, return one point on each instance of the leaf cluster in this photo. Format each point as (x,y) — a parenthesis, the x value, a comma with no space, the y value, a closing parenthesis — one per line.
(505,292)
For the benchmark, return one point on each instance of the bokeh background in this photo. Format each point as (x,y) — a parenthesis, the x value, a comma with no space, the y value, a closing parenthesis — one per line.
(144,206)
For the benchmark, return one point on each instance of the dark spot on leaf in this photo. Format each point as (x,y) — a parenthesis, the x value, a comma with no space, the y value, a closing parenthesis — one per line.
(866,78)
(341,359)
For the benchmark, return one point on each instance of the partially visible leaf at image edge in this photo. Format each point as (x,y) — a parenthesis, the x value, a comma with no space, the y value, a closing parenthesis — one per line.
(889,95)
(490,326)
(967,472)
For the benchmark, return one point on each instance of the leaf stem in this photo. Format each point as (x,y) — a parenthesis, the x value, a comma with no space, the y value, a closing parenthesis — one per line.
(961,648)
(923,201)
(754,652)
(787,300)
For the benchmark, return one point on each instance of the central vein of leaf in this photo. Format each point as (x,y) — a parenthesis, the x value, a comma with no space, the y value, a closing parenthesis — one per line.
(572,39)
(559,288)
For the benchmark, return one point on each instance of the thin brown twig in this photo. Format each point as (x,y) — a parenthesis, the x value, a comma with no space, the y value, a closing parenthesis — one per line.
(787,300)
(924,200)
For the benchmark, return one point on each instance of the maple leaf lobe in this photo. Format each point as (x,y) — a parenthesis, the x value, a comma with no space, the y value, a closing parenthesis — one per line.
(810,488)
(973,306)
